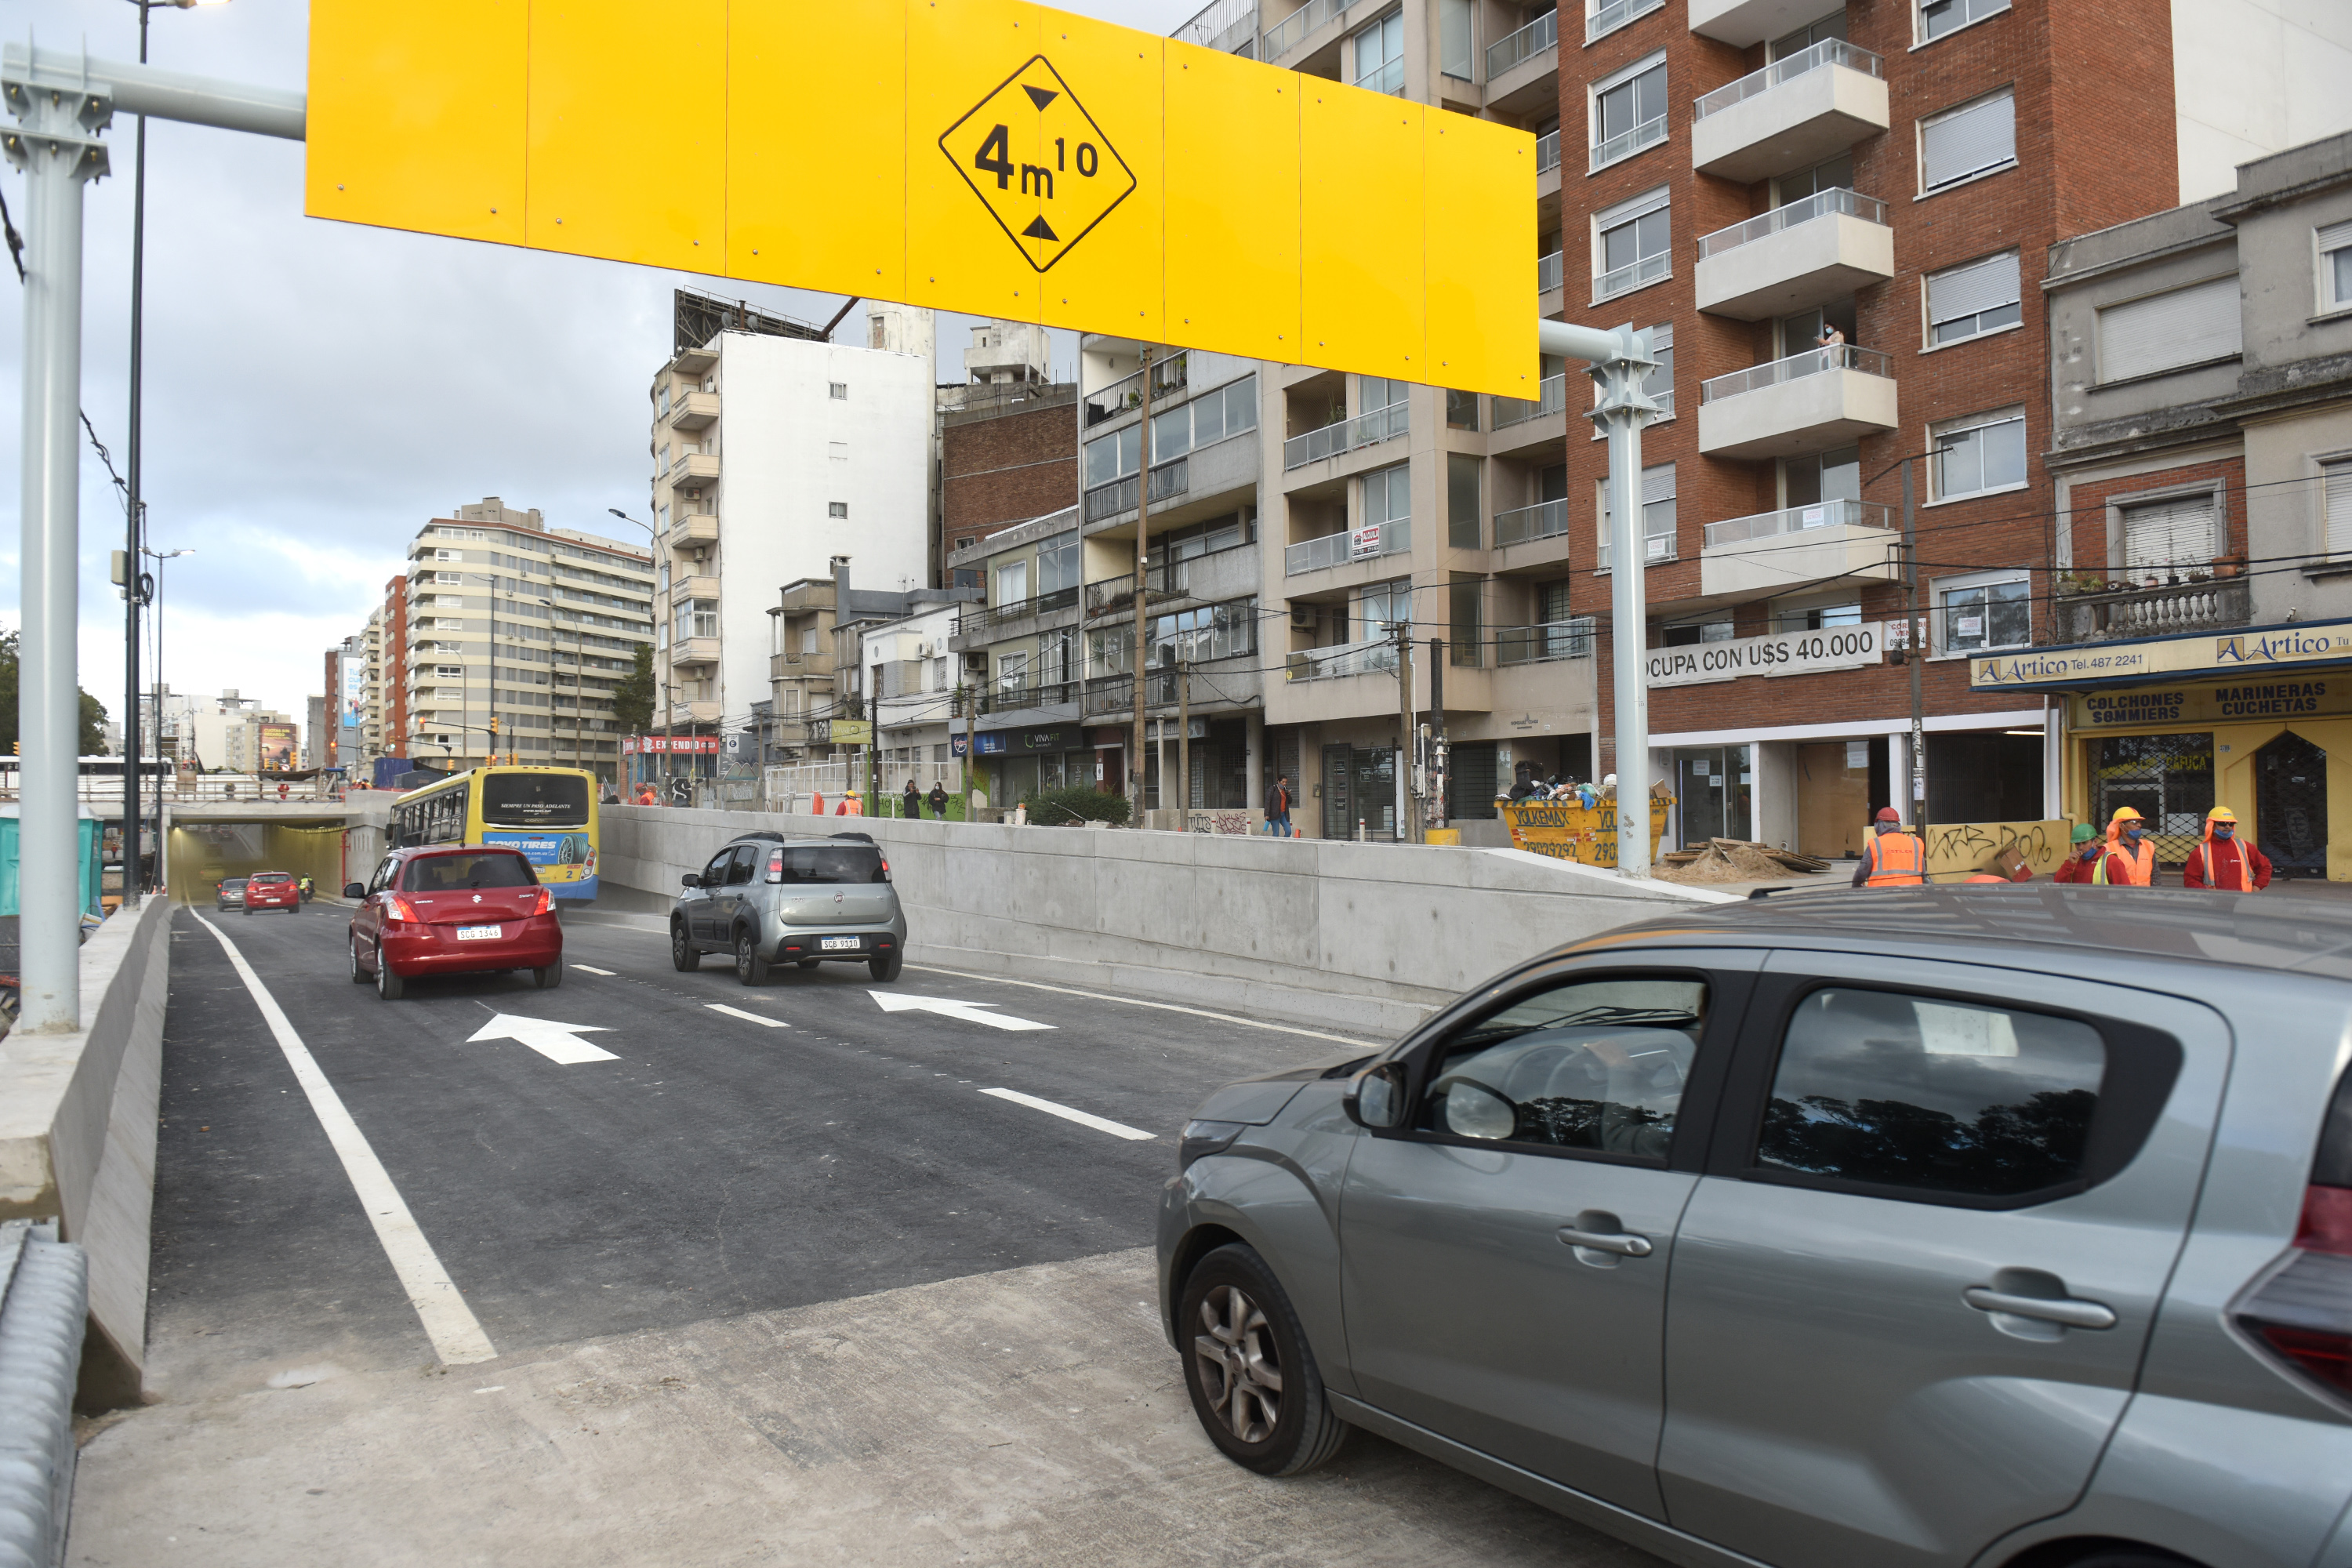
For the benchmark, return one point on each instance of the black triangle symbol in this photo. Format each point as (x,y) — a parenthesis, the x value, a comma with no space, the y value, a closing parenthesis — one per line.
(1040,229)
(1039,96)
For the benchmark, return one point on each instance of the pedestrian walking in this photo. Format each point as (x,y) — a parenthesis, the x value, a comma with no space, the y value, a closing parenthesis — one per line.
(1893,859)
(2082,856)
(2129,858)
(913,808)
(1277,808)
(2223,861)
(939,801)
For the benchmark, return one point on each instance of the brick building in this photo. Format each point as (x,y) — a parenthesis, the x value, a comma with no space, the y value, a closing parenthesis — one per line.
(1005,458)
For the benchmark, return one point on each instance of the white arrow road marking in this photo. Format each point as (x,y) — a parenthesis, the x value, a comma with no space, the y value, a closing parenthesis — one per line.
(594,970)
(1099,1123)
(747,1017)
(968,1012)
(556,1042)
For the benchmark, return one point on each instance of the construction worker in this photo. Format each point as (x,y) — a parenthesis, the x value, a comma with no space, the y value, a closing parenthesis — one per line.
(1893,859)
(2009,866)
(2224,862)
(2082,858)
(2129,858)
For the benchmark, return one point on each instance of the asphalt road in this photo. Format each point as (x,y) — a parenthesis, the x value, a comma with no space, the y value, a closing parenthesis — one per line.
(712,1165)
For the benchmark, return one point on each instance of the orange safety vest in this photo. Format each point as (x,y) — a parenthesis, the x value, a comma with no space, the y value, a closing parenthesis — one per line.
(2142,863)
(2205,864)
(1904,865)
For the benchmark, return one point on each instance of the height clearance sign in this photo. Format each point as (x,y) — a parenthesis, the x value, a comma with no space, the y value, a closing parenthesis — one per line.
(984,156)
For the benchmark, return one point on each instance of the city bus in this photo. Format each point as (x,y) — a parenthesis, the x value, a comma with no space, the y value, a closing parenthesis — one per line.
(549,814)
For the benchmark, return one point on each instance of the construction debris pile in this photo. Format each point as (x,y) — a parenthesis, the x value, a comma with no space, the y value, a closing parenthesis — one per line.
(1734,861)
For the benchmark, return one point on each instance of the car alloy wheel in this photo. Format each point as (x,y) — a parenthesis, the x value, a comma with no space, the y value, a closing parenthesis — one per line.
(1251,1375)
(750,967)
(1241,1369)
(682,954)
(358,975)
(388,985)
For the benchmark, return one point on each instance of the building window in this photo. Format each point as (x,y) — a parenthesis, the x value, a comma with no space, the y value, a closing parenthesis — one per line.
(2180,327)
(1380,55)
(1973,615)
(1962,144)
(1383,606)
(1462,474)
(1632,245)
(838,391)
(2164,537)
(1820,476)
(1211,416)
(1387,495)
(836,509)
(2336,267)
(1937,18)
(1978,455)
(1817,612)
(2336,481)
(1657,514)
(1011,582)
(705,617)
(836,451)
(1115,456)
(1461,410)
(1830,26)
(1690,634)
(1058,563)
(1628,110)
(1969,301)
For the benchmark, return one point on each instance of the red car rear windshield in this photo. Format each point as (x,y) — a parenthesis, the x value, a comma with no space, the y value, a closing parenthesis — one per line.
(454,873)
(271,877)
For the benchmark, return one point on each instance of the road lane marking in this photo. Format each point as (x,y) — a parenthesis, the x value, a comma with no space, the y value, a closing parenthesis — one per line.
(594,970)
(457,1337)
(557,1042)
(1084,1119)
(747,1017)
(1161,1007)
(966,1012)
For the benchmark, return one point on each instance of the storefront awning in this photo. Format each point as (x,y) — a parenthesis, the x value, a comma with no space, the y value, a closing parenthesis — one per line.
(2255,653)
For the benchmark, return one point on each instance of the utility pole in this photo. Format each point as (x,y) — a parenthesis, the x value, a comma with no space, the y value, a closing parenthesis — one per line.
(1183,747)
(1439,797)
(1408,819)
(969,696)
(1142,554)
(872,748)
(1916,655)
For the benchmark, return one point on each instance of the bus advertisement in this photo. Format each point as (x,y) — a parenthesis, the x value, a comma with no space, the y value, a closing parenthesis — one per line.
(548,813)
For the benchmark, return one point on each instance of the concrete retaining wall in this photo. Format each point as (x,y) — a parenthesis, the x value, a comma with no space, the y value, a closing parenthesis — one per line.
(78,1135)
(1368,937)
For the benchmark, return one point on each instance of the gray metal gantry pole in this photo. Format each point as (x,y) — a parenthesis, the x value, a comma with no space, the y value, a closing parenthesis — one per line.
(1622,361)
(62,103)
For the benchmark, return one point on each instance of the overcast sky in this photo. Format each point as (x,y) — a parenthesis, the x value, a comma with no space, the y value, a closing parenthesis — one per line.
(315,392)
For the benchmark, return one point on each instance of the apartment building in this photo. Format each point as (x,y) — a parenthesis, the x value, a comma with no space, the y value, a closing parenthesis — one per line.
(1006,455)
(507,618)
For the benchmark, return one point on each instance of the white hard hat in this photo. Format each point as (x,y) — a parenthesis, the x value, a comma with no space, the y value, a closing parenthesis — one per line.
(1609,778)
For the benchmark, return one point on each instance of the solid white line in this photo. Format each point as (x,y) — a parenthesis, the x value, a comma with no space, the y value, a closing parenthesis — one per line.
(1139,1002)
(1100,1124)
(747,1017)
(594,970)
(449,1323)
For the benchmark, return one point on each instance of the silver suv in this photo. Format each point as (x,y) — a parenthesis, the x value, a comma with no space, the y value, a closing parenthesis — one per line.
(774,899)
(2001,1227)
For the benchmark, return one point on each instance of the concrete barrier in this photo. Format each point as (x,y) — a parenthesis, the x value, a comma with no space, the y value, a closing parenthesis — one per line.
(1369,937)
(77,1136)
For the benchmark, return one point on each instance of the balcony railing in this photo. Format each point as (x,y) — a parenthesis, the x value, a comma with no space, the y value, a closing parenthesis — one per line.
(1612,16)
(1633,275)
(1799,520)
(1221,25)
(1109,694)
(1346,436)
(1821,204)
(1548,272)
(1625,144)
(1570,638)
(1119,593)
(1280,39)
(1552,398)
(1335,663)
(1528,42)
(1545,520)
(1017,695)
(1110,500)
(1812,362)
(2154,612)
(1546,151)
(1353,544)
(1827,52)
(975,619)
(1125,395)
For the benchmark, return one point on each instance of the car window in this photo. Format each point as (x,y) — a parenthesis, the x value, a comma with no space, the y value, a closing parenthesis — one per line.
(382,877)
(1941,1096)
(269,876)
(715,874)
(1597,1064)
(451,873)
(825,863)
(746,861)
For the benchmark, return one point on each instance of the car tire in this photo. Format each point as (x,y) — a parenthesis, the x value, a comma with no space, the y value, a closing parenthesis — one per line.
(388,985)
(549,978)
(683,955)
(1252,1379)
(249,908)
(358,976)
(887,967)
(750,967)
(2129,1557)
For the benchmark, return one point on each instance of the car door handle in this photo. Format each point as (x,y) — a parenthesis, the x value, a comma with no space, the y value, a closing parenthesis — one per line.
(2071,1312)
(1623,1244)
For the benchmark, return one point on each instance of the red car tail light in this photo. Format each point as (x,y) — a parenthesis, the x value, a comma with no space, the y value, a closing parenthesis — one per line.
(543,902)
(397,910)
(2302,1311)
(775,865)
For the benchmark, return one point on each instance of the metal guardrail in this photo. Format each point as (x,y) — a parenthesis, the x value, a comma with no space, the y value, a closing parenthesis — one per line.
(1546,151)
(1110,500)
(1338,549)
(1347,435)
(1013,697)
(1811,362)
(1609,18)
(1545,520)
(1831,203)
(1633,275)
(44,1303)
(1125,395)
(1570,638)
(1336,663)
(1107,694)
(1552,398)
(1528,41)
(1625,144)
(1279,40)
(974,619)
(1800,520)
(1827,52)
(1549,272)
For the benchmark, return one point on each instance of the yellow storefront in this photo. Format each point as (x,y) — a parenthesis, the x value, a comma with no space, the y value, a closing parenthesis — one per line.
(2260,721)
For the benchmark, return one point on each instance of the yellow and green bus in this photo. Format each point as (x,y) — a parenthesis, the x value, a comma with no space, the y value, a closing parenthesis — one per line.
(549,814)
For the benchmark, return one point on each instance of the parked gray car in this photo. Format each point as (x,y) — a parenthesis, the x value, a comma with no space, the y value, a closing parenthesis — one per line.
(2008,1226)
(774,899)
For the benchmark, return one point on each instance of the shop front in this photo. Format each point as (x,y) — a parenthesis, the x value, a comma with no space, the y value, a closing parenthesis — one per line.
(1018,764)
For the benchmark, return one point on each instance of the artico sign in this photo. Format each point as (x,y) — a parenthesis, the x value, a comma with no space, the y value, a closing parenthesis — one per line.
(1781,653)
(2257,653)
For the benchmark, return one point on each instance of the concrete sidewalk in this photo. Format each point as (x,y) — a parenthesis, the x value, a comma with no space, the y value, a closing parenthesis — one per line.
(1032,1417)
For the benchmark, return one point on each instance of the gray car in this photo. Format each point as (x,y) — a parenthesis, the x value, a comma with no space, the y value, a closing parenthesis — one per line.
(775,898)
(2008,1226)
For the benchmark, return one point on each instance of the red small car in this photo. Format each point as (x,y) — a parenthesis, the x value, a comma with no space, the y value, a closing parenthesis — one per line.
(453,910)
(273,890)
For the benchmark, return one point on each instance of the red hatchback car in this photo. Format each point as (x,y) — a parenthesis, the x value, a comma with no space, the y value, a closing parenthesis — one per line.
(273,890)
(453,910)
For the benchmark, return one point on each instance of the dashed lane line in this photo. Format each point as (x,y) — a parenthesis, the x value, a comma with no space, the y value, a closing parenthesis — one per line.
(1083,1118)
(457,1337)
(591,969)
(747,1017)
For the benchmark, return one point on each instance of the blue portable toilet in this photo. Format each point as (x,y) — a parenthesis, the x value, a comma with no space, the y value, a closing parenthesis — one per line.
(88,826)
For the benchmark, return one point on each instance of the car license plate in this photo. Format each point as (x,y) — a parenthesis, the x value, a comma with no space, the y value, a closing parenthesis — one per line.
(479,933)
(842,943)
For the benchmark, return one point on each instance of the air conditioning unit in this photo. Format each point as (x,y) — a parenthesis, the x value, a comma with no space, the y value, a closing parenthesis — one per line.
(1302,618)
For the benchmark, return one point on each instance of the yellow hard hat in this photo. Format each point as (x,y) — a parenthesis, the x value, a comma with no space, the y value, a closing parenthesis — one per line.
(2221,814)
(2126,814)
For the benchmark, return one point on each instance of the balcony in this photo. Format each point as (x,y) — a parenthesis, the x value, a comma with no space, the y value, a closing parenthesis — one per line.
(1750,22)
(1545,520)
(1167,480)
(697,528)
(1773,552)
(694,588)
(1113,696)
(693,470)
(1608,18)
(1636,274)
(1546,151)
(1791,114)
(688,653)
(1552,399)
(1548,272)
(1346,436)
(1020,695)
(1116,594)
(1125,395)
(2117,612)
(1294,29)
(1523,67)
(1793,258)
(1571,638)
(1625,144)
(1529,41)
(978,620)
(1377,657)
(1353,544)
(693,410)
(1808,402)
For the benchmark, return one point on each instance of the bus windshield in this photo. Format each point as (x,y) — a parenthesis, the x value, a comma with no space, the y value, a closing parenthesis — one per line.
(534,800)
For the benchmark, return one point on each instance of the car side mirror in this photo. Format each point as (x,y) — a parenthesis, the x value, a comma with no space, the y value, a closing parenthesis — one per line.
(1375,1098)
(691,879)
(355,890)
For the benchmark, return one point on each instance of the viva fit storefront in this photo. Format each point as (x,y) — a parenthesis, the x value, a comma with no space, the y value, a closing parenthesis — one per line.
(2258,720)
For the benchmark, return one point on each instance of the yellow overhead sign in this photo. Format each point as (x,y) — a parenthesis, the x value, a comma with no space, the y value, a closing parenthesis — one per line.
(984,156)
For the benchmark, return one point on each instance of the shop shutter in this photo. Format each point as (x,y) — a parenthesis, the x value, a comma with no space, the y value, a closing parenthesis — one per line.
(2186,326)
(1970,291)
(2161,535)
(2339,507)
(1969,143)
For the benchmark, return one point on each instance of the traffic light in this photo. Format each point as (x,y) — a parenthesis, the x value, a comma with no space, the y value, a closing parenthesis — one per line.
(494,724)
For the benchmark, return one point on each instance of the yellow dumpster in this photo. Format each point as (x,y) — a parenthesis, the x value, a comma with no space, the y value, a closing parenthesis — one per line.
(1566,830)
